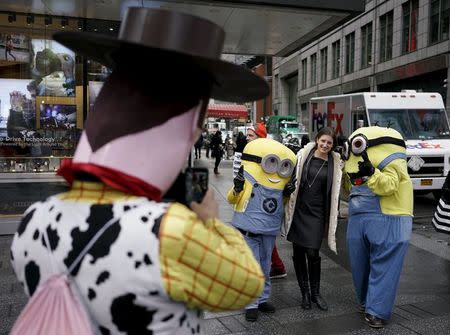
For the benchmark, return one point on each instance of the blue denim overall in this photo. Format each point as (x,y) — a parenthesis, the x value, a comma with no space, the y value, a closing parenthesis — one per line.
(377,244)
(262,217)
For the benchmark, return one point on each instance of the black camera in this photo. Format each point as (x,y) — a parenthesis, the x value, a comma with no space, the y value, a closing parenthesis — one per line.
(190,185)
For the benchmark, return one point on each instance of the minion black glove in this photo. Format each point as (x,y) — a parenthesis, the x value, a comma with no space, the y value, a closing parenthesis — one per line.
(366,168)
(239,180)
(290,187)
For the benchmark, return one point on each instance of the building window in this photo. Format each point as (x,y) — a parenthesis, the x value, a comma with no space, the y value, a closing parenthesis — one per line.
(323,64)
(336,58)
(410,19)
(366,45)
(439,20)
(276,87)
(350,53)
(386,31)
(304,71)
(313,69)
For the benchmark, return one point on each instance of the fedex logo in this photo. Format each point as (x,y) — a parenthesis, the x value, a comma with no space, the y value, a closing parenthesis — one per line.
(330,119)
(424,145)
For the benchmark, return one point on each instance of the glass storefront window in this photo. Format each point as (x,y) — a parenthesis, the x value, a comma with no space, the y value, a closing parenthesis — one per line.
(45,93)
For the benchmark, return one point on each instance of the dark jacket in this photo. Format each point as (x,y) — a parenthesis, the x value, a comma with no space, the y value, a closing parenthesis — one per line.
(217,145)
(199,143)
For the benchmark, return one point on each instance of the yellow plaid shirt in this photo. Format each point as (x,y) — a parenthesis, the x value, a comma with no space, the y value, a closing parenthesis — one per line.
(206,265)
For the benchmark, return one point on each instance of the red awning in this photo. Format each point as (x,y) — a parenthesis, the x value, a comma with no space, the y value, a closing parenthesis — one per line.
(228,111)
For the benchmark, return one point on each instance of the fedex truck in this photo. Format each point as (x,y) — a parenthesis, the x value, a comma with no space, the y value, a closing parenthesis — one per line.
(420,117)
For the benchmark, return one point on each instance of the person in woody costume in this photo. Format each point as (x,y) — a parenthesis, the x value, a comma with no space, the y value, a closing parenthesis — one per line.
(159,264)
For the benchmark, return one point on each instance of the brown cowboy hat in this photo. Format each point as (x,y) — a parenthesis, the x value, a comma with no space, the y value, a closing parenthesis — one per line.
(181,35)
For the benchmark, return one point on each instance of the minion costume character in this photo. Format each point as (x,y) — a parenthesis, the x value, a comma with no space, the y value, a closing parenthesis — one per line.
(380,217)
(260,188)
(141,265)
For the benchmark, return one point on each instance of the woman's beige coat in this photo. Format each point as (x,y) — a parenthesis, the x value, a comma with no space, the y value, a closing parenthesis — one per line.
(335,188)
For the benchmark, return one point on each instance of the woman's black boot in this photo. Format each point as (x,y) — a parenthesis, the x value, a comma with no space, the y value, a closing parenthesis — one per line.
(314,280)
(301,272)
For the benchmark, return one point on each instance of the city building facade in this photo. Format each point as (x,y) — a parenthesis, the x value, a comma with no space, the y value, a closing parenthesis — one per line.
(393,45)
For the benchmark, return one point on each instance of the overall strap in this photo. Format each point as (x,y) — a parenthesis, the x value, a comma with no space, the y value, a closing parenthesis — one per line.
(47,245)
(91,244)
(85,249)
(249,177)
(390,158)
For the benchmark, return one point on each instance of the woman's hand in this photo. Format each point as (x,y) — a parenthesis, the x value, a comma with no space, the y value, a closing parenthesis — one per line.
(208,208)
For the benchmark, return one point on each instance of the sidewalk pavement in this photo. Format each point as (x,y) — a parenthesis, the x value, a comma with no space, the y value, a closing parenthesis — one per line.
(422,305)
(423,299)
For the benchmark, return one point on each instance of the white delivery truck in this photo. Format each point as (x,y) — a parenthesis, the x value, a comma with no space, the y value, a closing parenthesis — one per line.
(420,117)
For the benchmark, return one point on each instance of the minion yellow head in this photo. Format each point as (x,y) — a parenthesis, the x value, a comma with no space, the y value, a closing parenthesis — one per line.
(377,142)
(269,162)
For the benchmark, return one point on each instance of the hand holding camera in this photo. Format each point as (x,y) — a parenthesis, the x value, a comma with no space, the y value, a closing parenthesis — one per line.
(208,208)
(239,180)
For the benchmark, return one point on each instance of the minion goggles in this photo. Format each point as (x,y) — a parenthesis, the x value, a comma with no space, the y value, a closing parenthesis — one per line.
(271,164)
(359,143)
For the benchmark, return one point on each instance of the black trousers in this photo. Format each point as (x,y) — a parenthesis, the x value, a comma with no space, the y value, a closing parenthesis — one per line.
(198,152)
(217,162)
(302,252)
(306,264)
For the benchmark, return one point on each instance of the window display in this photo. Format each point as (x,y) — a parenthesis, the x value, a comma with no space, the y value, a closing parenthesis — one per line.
(42,104)
(21,135)
(17,108)
(53,68)
(94,90)
(58,116)
(15,48)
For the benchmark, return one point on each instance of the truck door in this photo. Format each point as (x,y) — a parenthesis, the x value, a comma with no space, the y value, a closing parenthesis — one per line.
(359,119)
(358,113)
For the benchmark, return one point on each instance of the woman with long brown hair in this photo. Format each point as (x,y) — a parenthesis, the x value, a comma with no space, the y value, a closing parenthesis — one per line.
(312,212)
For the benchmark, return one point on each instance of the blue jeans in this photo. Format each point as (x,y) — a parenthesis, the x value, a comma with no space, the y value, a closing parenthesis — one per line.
(262,247)
(377,246)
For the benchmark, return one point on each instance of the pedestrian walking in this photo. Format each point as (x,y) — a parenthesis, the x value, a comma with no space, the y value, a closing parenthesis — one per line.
(380,217)
(207,139)
(198,147)
(229,147)
(9,47)
(260,189)
(312,212)
(116,242)
(217,150)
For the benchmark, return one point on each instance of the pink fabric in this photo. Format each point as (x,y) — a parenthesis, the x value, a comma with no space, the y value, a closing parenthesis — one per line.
(53,310)
(155,155)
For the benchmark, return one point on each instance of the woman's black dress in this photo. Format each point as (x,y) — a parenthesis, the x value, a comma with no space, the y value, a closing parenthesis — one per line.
(308,223)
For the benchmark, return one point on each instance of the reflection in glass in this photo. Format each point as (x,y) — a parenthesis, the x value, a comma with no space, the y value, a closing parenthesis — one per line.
(412,123)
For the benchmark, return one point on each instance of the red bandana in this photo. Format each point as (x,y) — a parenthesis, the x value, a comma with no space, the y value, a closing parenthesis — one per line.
(116,179)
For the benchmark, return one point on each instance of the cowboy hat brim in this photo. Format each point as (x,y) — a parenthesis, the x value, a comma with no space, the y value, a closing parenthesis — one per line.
(232,82)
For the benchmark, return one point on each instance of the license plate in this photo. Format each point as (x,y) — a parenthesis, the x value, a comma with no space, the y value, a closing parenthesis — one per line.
(426,182)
